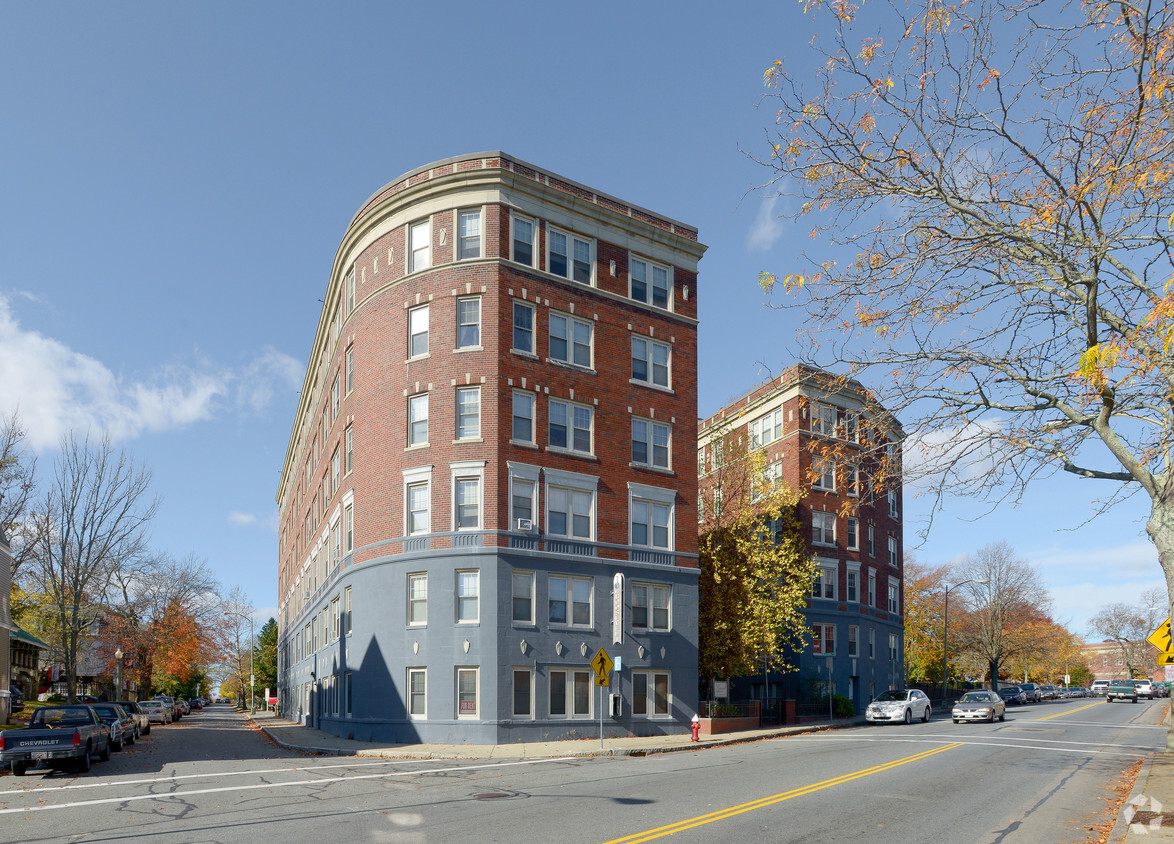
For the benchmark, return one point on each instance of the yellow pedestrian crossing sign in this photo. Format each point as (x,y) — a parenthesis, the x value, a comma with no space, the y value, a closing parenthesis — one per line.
(602,664)
(1165,659)
(1160,638)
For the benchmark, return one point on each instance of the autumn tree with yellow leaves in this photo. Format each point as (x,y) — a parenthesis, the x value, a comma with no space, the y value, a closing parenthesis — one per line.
(988,190)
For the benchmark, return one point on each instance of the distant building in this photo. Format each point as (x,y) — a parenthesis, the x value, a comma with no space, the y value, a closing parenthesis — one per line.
(826,436)
(1107,659)
(490,477)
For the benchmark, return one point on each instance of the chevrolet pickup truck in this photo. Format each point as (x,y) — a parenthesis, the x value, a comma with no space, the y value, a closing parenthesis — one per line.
(58,736)
(1122,690)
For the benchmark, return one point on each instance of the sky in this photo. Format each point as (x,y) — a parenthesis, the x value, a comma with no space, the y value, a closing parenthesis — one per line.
(176,178)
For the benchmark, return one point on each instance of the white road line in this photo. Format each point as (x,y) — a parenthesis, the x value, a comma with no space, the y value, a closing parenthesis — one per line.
(993,741)
(178,795)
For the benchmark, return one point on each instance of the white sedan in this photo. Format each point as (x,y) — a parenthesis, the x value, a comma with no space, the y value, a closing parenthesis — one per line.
(899,705)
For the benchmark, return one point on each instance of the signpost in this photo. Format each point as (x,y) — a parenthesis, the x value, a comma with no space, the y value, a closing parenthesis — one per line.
(602,664)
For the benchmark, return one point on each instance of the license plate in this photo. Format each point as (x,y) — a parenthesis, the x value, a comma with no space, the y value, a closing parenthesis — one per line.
(40,754)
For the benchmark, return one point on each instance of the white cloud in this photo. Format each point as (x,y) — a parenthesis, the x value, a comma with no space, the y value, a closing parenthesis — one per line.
(269,522)
(56,389)
(767,226)
(238,518)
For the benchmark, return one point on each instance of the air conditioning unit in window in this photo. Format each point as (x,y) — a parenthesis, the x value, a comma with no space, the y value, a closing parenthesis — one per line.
(526,524)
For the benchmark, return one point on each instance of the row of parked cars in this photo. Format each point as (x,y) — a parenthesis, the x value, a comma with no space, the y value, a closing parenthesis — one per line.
(1143,688)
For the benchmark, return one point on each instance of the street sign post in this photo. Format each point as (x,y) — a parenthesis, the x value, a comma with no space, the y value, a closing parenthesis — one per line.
(602,664)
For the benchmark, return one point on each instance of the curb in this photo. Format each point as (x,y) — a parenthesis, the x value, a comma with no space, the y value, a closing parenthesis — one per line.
(1121,827)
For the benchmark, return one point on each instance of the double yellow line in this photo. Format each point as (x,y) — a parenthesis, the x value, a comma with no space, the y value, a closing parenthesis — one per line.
(722,814)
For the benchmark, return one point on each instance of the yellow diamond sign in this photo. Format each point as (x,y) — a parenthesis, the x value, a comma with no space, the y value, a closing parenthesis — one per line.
(602,664)
(1160,638)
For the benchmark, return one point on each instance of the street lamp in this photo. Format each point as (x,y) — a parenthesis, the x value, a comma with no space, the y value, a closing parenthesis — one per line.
(946,633)
(118,674)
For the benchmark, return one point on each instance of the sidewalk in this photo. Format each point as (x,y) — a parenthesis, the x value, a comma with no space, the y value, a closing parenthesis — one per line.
(295,736)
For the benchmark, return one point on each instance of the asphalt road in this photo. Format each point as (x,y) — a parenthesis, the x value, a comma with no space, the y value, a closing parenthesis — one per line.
(1042,776)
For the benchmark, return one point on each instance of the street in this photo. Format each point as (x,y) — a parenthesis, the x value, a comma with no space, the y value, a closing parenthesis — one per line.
(1041,776)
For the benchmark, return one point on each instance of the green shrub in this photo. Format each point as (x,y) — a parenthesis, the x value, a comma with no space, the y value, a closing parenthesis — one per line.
(842,706)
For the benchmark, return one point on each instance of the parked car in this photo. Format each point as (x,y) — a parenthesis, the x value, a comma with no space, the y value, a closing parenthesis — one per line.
(169,704)
(1144,688)
(135,711)
(59,737)
(16,696)
(124,729)
(1048,693)
(1034,692)
(1122,690)
(899,705)
(156,710)
(1099,688)
(979,705)
(184,706)
(1013,695)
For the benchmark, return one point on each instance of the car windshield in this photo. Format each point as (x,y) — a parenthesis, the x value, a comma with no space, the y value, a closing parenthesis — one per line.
(891,694)
(65,716)
(974,697)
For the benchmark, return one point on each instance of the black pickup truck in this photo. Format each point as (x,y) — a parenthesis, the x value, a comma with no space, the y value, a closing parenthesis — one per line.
(58,736)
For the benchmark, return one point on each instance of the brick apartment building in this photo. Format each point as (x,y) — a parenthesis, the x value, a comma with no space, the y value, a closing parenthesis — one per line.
(484,481)
(824,436)
(1107,660)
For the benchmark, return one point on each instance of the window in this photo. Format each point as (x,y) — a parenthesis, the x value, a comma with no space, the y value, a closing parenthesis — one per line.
(348,449)
(853,632)
(419,505)
(823,528)
(468,413)
(823,639)
(872,589)
(523,417)
(893,647)
(871,542)
(348,528)
(418,332)
(523,596)
(468,596)
(570,504)
(335,618)
(573,688)
(650,283)
(650,524)
(349,284)
(468,235)
(872,643)
(523,328)
(523,241)
(767,428)
(894,596)
(418,419)
(719,454)
(650,444)
(823,585)
(650,694)
(717,503)
(823,420)
(419,246)
(853,533)
(417,692)
(892,551)
(825,474)
(853,480)
(469,323)
(468,503)
(350,369)
(523,693)
(770,479)
(892,496)
(335,470)
(701,461)
(569,601)
(417,599)
(570,427)
(569,256)
(467,692)
(570,340)
(523,482)
(853,585)
(346,608)
(650,362)
(334,396)
(650,606)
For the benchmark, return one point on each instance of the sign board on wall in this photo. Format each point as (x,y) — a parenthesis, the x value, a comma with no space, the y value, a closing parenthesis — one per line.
(721,689)
(617,609)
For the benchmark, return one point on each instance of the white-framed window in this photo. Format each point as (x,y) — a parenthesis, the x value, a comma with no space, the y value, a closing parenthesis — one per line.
(417,599)
(823,419)
(719,454)
(335,471)
(417,500)
(523,485)
(717,503)
(335,395)
(523,417)
(346,608)
(823,528)
(651,516)
(823,638)
(851,425)
(418,332)
(651,694)
(893,551)
(852,583)
(469,322)
(468,595)
(522,240)
(469,234)
(349,286)
(853,635)
(893,647)
(650,443)
(825,474)
(823,585)
(871,541)
(522,596)
(523,328)
(853,533)
(570,694)
(468,692)
(892,496)
(418,419)
(570,340)
(651,604)
(569,600)
(872,643)
(570,427)
(348,444)
(335,618)
(853,472)
(894,596)
(468,482)
(419,246)
(700,507)
(523,693)
(570,504)
(768,481)
(350,369)
(570,256)
(650,362)
(701,461)
(468,413)
(872,588)
(766,428)
(650,283)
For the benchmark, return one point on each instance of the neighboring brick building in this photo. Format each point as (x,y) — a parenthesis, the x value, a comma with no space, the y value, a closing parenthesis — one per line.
(501,388)
(1107,661)
(826,436)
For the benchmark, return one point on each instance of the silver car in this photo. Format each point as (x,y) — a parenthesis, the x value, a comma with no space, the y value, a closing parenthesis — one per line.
(899,705)
(979,705)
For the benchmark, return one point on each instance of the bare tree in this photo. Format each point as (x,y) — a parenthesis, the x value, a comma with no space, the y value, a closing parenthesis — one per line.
(91,521)
(996,196)
(237,613)
(18,468)
(1128,625)
(1003,594)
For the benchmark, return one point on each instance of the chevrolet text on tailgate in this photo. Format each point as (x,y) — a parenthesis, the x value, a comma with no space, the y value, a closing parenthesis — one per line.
(59,737)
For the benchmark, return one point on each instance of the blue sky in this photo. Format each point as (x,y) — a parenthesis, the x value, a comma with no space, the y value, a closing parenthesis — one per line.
(176,180)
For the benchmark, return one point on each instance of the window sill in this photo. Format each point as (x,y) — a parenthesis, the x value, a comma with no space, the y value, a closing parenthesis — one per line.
(468,440)
(416,447)
(566,364)
(657,469)
(522,354)
(418,358)
(460,349)
(644,631)
(585,455)
(521,444)
(669,390)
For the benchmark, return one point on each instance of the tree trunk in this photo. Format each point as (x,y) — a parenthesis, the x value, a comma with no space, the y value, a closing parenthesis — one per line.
(1160,527)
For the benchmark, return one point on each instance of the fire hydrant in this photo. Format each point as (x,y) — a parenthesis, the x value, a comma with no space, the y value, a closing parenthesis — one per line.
(696,728)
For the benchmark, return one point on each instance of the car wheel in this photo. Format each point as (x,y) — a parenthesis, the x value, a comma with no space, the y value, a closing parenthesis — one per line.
(104,756)
(1003,717)
(925,715)
(908,716)
(955,720)
(18,768)
(83,764)
(147,731)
